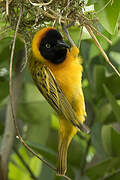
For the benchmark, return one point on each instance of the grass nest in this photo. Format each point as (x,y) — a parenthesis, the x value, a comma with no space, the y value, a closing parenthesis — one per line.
(37,14)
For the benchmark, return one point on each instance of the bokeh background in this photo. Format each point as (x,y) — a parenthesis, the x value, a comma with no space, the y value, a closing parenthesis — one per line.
(90,157)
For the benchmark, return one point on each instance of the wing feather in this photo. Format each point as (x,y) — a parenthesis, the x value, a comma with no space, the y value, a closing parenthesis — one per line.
(54,95)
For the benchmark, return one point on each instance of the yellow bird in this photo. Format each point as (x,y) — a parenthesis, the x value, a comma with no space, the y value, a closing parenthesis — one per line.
(57,73)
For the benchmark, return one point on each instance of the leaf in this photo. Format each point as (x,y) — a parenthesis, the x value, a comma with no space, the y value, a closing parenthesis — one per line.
(114,105)
(5,49)
(115,56)
(17,170)
(94,51)
(115,176)
(108,16)
(75,34)
(111,141)
(99,79)
(47,173)
(91,2)
(106,138)
(97,140)
(32,94)
(113,84)
(46,152)
(5,42)
(103,113)
(55,122)
(4,88)
(103,168)
(36,112)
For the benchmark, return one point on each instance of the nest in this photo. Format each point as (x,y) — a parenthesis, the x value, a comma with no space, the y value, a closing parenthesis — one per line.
(37,14)
(46,13)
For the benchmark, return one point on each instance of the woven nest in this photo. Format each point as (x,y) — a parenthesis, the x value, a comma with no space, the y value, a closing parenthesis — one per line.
(36,14)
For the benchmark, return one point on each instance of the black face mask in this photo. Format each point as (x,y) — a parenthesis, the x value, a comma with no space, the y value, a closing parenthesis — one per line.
(53,48)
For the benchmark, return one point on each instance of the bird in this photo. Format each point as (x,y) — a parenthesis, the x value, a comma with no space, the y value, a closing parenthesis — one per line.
(57,73)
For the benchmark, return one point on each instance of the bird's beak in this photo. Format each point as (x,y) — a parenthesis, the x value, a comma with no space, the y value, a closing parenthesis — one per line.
(62,44)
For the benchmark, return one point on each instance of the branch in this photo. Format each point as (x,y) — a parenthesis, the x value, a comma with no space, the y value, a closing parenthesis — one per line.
(67,34)
(100,34)
(25,164)
(12,105)
(40,4)
(9,131)
(101,50)
(111,175)
(7,7)
(11,97)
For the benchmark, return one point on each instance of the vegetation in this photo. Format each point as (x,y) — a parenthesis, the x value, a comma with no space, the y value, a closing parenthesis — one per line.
(91,157)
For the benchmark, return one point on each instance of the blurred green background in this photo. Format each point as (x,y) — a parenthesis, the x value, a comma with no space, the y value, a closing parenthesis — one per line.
(90,157)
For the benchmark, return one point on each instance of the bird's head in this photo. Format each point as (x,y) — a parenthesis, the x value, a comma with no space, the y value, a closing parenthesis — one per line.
(48,45)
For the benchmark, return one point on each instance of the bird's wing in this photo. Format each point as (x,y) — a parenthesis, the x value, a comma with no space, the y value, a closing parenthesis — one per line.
(54,95)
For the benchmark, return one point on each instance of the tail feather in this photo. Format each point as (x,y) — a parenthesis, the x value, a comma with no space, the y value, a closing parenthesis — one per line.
(62,159)
(66,133)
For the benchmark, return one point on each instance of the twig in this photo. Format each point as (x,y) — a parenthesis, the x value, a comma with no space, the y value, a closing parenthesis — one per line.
(100,48)
(25,164)
(84,21)
(7,142)
(81,30)
(111,175)
(66,177)
(11,101)
(67,34)
(40,4)
(103,7)
(58,15)
(9,130)
(26,56)
(45,13)
(100,34)
(7,7)
(11,98)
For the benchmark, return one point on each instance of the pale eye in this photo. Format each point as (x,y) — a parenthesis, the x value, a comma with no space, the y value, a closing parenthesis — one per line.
(48,45)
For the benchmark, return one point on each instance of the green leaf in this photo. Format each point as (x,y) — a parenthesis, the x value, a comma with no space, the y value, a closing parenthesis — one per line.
(94,51)
(99,79)
(111,141)
(36,112)
(115,175)
(115,56)
(32,94)
(114,105)
(113,84)
(4,88)
(97,140)
(103,168)
(55,122)
(75,34)
(103,112)
(47,173)
(108,16)
(5,43)
(90,2)
(17,170)
(46,152)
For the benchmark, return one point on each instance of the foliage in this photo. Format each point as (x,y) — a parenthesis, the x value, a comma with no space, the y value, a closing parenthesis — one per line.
(91,157)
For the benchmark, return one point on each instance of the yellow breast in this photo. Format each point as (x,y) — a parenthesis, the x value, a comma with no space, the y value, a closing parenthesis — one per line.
(68,74)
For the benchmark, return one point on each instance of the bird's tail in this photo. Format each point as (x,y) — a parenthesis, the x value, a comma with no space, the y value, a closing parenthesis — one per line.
(66,133)
(62,159)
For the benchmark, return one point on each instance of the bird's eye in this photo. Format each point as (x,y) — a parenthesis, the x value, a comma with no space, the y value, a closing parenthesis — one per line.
(48,45)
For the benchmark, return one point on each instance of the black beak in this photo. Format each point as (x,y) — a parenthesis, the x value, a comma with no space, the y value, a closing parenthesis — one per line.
(61,44)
